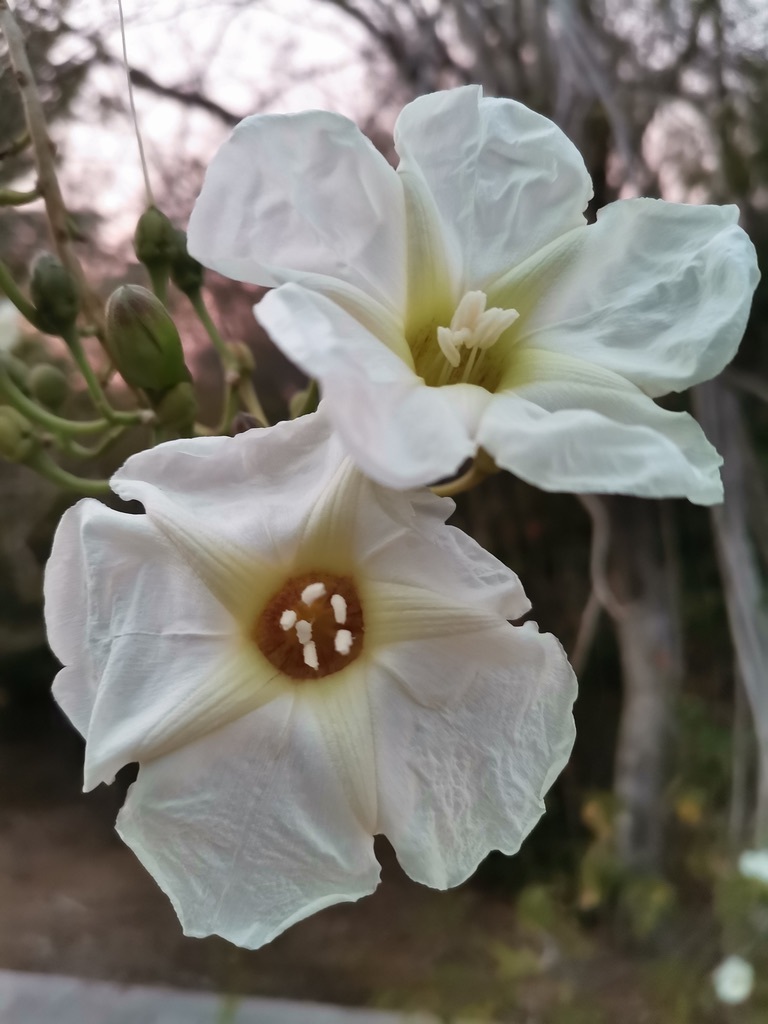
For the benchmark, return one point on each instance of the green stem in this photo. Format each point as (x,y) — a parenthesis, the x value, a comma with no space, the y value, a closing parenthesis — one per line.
(17,297)
(56,424)
(16,146)
(82,451)
(100,400)
(311,401)
(158,276)
(228,409)
(51,471)
(198,304)
(250,400)
(10,197)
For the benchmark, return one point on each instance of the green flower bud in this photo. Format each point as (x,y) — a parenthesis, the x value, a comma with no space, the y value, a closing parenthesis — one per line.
(54,294)
(49,385)
(155,239)
(186,273)
(143,340)
(178,407)
(17,439)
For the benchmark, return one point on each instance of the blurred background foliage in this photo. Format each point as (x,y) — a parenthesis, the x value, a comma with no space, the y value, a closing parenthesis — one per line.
(626,895)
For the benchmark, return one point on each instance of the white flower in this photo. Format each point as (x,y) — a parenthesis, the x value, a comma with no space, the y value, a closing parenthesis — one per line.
(9,326)
(461,302)
(298,659)
(733,979)
(754,864)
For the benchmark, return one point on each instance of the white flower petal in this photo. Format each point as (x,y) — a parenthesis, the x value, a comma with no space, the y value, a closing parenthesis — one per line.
(304,197)
(505,180)
(656,291)
(342,710)
(110,573)
(159,693)
(591,431)
(399,432)
(458,781)
(250,830)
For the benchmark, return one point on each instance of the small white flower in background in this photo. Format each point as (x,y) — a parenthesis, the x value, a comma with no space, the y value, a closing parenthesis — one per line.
(298,659)
(9,325)
(461,302)
(754,864)
(734,980)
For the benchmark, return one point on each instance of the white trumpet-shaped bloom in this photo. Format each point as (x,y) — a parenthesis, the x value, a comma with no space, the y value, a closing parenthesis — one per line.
(298,659)
(462,302)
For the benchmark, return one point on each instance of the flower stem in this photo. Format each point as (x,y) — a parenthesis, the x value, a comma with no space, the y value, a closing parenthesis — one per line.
(80,485)
(47,182)
(55,424)
(17,297)
(11,197)
(95,389)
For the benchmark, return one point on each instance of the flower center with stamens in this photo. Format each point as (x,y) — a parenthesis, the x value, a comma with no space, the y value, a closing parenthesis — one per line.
(456,354)
(312,627)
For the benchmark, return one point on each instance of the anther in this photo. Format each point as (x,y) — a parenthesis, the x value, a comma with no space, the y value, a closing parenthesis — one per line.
(339,606)
(288,619)
(310,655)
(312,592)
(342,642)
(304,631)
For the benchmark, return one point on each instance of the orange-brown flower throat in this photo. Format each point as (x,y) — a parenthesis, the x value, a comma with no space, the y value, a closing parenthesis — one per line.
(312,627)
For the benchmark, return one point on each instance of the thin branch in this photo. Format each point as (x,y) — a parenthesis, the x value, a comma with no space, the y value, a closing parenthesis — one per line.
(47,182)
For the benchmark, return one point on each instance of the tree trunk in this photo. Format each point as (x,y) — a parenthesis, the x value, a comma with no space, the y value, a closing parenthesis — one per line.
(643,578)
(720,415)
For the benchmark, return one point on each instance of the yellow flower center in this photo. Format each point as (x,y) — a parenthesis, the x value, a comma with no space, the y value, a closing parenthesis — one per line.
(456,353)
(312,627)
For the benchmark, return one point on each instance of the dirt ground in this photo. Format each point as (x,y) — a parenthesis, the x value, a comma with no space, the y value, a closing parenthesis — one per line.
(74,900)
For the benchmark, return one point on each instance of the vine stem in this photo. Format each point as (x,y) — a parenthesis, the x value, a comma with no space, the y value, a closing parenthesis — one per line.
(47,182)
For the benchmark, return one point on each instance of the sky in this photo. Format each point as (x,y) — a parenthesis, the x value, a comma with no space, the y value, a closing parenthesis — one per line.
(277,56)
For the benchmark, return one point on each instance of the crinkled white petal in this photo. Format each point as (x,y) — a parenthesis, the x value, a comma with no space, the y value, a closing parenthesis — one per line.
(504,179)
(459,780)
(399,432)
(112,574)
(656,291)
(250,829)
(591,431)
(401,538)
(303,197)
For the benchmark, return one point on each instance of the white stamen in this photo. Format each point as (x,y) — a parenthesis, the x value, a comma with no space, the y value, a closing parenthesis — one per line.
(288,619)
(472,327)
(339,606)
(304,631)
(469,311)
(312,592)
(448,346)
(342,642)
(310,655)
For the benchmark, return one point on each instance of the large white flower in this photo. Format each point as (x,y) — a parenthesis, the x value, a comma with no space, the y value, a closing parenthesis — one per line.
(298,659)
(461,302)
